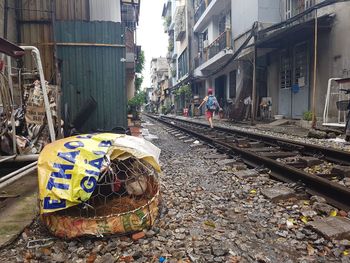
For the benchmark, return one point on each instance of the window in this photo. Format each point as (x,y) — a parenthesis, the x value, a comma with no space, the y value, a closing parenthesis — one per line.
(233,84)
(294,66)
(300,64)
(182,64)
(286,70)
(288,9)
(222,24)
(202,38)
(295,7)
(200,43)
(309,3)
(128,14)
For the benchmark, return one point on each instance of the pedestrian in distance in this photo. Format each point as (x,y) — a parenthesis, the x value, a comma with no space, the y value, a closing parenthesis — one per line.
(212,105)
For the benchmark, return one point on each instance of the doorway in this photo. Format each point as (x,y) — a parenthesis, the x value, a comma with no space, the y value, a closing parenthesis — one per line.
(294,82)
(220,89)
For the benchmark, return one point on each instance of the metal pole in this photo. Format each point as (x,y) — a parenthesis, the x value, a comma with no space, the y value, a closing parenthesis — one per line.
(36,52)
(13,124)
(254,85)
(57,71)
(6,12)
(315,74)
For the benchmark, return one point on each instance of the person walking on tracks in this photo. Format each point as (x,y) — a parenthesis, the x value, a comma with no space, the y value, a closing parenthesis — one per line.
(212,105)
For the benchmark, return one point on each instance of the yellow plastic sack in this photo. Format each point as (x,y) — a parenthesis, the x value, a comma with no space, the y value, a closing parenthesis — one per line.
(68,169)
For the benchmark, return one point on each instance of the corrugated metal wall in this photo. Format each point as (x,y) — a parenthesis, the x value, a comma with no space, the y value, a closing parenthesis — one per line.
(35,27)
(95,71)
(86,70)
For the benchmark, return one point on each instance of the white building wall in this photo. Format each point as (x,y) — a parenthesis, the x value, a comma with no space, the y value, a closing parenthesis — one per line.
(244,13)
(270,12)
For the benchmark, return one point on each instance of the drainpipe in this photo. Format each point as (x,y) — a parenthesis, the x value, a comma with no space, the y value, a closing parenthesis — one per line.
(13,125)
(314,120)
(189,42)
(18,18)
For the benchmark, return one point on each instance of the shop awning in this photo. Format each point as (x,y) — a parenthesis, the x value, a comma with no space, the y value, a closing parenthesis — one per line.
(294,32)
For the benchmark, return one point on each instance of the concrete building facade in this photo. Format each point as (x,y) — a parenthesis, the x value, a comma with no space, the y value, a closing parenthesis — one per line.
(267,46)
(159,82)
(289,55)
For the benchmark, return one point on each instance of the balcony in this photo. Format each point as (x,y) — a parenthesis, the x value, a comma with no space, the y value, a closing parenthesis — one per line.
(215,54)
(201,9)
(223,41)
(180,23)
(208,10)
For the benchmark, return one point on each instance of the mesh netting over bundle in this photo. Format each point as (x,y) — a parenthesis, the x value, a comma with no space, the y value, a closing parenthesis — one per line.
(123,186)
(98,185)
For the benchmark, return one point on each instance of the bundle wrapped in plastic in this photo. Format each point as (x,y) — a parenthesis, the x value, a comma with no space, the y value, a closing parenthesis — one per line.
(98,184)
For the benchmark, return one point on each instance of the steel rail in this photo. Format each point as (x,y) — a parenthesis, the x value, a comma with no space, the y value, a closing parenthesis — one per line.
(335,194)
(331,154)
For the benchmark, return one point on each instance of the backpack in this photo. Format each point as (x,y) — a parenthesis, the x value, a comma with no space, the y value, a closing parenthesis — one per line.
(212,103)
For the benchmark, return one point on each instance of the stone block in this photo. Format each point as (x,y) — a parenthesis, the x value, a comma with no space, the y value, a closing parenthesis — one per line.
(337,228)
(137,236)
(216,156)
(246,173)
(278,193)
(226,162)
(317,134)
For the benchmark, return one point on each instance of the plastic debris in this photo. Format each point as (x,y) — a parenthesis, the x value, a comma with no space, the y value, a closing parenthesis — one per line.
(209,223)
(290,223)
(40,243)
(304,219)
(333,213)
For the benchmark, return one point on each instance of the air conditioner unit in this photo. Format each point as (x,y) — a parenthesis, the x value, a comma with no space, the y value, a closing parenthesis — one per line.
(205,43)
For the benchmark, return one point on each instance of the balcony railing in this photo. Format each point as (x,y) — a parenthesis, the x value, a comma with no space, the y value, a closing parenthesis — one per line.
(296,7)
(201,9)
(223,41)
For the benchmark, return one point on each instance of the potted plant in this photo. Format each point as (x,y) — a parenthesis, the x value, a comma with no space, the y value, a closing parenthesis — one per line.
(306,122)
(135,104)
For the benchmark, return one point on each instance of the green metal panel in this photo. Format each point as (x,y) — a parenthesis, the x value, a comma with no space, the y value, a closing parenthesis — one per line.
(96,71)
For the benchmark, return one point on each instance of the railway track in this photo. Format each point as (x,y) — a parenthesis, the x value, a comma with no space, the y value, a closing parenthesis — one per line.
(287,160)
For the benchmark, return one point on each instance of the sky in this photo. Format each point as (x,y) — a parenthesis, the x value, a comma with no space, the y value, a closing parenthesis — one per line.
(150,34)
